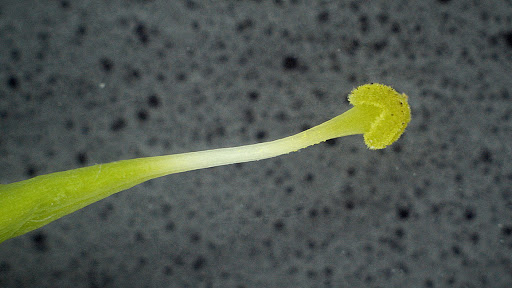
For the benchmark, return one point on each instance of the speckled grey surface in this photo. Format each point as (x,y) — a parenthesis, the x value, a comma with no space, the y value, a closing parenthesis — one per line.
(85,82)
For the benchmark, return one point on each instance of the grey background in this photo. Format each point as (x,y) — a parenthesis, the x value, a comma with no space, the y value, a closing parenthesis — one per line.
(86,82)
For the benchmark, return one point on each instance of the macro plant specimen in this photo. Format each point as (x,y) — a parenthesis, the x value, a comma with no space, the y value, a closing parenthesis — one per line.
(380,113)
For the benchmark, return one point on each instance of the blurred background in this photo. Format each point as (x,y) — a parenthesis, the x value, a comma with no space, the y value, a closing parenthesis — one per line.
(87,82)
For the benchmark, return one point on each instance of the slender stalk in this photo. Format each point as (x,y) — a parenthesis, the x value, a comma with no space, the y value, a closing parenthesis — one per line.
(30,204)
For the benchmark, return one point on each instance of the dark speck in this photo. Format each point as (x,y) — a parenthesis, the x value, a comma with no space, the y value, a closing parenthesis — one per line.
(319,94)
(15,55)
(323,17)
(444,1)
(383,18)
(328,271)
(313,213)
(4,267)
(153,101)
(31,171)
(486,156)
(85,130)
(399,233)
(456,250)
(168,270)
(142,115)
(253,96)
(39,242)
(309,177)
(170,226)
(199,263)
(142,33)
(354,6)
(506,230)
(181,77)
(43,36)
(474,238)
(363,22)
(191,5)
(505,95)
(281,116)
(139,237)
(349,205)
(508,38)
(195,25)
(352,47)
(311,244)
(81,158)
(305,127)
(69,124)
(106,64)
(244,25)
(166,208)
(249,116)
(64,4)
(106,211)
(118,124)
(261,135)
(469,214)
(195,238)
(81,31)
(290,63)
(380,45)
(178,260)
(135,74)
(403,213)
(331,142)
(279,225)
(311,274)
(13,82)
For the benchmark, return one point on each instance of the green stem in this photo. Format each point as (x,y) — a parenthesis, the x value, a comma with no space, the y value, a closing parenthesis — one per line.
(30,204)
